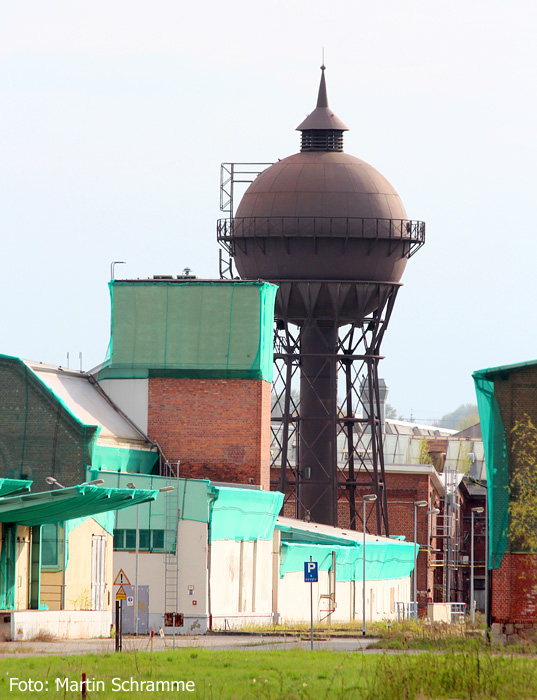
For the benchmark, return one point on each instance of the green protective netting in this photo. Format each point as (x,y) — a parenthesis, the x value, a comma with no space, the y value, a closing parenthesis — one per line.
(37,430)
(190,497)
(244,514)
(8,486)
(383,560)
(70,503)
(8,558)
(495,446)
(124,459)
(191,329)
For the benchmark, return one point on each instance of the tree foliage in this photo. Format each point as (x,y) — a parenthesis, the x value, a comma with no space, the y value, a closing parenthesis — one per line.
(523,487)
(391,413)
(424,456)
(462,417)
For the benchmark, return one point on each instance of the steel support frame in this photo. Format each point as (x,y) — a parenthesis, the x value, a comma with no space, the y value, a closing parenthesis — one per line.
(357,421)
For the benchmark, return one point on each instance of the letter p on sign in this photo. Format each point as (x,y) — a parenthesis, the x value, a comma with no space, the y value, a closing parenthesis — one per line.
(311,572)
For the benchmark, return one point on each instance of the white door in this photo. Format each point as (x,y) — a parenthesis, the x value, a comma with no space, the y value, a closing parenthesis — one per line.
(98,571)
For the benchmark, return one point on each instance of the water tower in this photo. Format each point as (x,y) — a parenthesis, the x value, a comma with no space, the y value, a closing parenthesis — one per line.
(333,234)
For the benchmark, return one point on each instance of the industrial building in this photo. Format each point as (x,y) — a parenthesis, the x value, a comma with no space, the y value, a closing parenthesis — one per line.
(507,400)
(227,391)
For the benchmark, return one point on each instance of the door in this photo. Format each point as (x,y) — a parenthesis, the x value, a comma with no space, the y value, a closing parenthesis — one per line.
(143,610)
(98,571)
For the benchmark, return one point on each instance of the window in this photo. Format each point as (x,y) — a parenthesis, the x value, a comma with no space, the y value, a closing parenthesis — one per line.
(51,546)
(150,540)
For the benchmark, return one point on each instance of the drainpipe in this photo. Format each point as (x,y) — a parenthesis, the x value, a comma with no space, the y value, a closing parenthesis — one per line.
(213,495)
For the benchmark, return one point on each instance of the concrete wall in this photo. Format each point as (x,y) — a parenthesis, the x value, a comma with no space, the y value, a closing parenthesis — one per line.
(241,583)
(63,624)
(131,395)
(78,572)
(150,573)
(192,578)
(294,598)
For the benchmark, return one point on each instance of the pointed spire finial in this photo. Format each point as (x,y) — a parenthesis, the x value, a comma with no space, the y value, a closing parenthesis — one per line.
(322,99)
(322,118)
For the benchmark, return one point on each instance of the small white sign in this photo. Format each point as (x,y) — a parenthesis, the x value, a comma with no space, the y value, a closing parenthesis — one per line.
(388,622)
(20,633)
(427,620)
(130,601)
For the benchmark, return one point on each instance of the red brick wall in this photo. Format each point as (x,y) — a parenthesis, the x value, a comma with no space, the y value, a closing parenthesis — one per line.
(514,589)
(219,429)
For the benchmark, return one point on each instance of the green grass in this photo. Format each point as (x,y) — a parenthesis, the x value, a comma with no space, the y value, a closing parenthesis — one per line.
(437,636)
(287,675)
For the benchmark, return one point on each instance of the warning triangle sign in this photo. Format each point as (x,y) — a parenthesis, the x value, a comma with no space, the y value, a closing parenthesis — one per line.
(121,579)
(121,595)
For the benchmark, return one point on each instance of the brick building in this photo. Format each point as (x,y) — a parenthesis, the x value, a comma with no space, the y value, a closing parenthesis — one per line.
(507,398)
(191,364)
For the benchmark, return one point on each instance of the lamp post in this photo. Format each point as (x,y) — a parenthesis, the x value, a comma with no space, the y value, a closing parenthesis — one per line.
(417,504)
(131,485)
(474,511)
(367,497)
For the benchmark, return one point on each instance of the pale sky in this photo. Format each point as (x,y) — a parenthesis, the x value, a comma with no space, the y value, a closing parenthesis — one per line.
(115,117)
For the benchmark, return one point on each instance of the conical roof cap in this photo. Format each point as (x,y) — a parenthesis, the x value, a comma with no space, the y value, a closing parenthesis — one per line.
(322,118)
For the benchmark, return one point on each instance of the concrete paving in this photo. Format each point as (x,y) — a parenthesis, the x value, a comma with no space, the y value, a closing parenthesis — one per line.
(64,647)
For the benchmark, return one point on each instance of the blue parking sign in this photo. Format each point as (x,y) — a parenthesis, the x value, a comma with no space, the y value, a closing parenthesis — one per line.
(311,572)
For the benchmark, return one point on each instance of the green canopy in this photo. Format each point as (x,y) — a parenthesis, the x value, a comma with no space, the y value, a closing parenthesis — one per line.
(8,486)
(79,501)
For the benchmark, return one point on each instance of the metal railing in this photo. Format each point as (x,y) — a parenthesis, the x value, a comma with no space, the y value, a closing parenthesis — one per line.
(406,611)
(322,226)
(458,612)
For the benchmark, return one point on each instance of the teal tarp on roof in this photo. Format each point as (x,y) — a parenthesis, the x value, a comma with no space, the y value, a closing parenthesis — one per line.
(244,514)
(66,504)
(384,559)
(8,486)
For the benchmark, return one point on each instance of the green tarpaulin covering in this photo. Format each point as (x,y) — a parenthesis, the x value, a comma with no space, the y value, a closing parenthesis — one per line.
(8,486)
(495,447)
(191,329)
(122,459)
(244,514)
(383,560)
(66,504)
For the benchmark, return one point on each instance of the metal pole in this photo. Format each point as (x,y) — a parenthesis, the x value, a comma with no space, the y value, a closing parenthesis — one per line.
(117,625)
(311,610)
(363,572)
(136,574)
(472,612)
(415,596)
